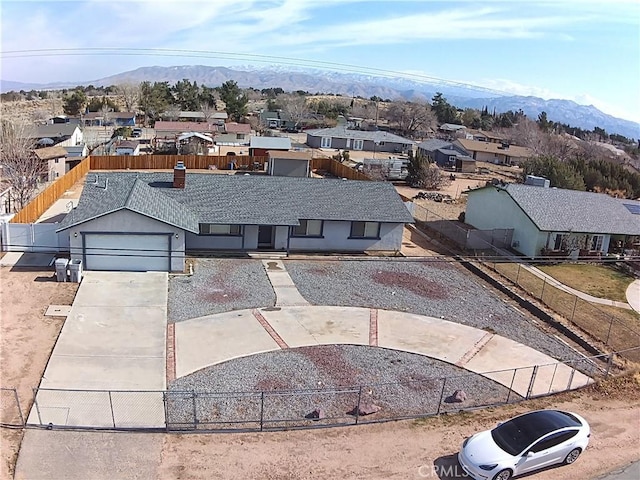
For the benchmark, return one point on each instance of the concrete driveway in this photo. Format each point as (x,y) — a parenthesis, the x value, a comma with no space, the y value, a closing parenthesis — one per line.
(113,339)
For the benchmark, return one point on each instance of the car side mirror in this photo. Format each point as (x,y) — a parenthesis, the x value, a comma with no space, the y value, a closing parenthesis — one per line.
(529,454)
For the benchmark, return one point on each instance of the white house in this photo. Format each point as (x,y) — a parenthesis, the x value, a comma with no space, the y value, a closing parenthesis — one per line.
(141,221)
(554,221)
(128,147)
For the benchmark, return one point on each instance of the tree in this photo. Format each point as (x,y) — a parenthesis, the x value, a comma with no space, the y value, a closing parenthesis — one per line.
(235,101)
(445,112)
(130,93)
(559,174)
(154,99)
(295,106)
(74,104)
(21,167)
(422,174)
(413,118)
(186,95)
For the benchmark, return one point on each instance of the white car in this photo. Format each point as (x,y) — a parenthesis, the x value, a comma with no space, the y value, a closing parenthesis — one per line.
(529,442)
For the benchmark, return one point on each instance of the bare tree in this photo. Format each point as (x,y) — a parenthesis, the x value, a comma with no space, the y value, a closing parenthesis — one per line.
(172,113)
(130,93)
(295,106)
(413,119)
(105,110)
(209,110)
(21,167)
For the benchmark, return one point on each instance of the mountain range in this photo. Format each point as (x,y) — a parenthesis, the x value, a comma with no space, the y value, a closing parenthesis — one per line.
(362,85)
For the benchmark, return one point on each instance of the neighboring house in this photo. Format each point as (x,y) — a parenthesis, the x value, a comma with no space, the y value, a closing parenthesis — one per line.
(259,146)
(5,198)
(127,147)
(170,130)
(194,143)
(451,128)
(345,139)
(447,155)
(482,136)
(289,164)
(216,118)
(139,221)
(554,221)
(61,134)
(75,155)
(277,119)
(234,134)
(55,157)
(498,153)
(117,119)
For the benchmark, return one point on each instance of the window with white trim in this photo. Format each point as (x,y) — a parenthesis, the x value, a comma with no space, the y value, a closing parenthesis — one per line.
(219,229)
(365,230)
(358,144)
(596,243)
(308,228)
(325,142)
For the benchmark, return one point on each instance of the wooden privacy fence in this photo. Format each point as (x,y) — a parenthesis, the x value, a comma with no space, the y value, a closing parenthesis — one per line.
(36,207)
(167,162)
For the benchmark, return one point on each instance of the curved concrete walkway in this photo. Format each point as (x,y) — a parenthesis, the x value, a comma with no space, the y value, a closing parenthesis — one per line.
(213,339)
(633,295)
(589,298)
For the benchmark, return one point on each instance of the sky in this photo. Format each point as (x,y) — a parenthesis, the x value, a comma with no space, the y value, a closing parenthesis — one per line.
(582,50)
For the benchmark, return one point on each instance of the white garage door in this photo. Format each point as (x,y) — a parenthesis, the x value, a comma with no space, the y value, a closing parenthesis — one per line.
(133,253)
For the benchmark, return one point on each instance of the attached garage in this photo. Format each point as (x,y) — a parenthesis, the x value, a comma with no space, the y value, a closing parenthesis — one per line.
(127,251)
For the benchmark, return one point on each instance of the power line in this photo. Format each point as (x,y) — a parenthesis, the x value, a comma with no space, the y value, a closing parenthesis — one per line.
(271,59)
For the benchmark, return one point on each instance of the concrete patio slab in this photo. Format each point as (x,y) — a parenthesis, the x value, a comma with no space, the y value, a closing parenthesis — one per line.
(27,259)
(205,341)
(303,326)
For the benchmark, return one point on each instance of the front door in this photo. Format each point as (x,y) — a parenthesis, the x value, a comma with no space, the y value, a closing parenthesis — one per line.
(265,236)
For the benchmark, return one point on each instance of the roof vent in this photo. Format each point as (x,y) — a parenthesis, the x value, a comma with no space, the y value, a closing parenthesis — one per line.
(179,175)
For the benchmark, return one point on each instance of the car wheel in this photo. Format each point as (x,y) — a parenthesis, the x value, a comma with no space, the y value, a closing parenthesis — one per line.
(503,475)
(572,456)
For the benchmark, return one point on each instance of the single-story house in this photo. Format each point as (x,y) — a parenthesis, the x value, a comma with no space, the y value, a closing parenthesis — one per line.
(60,134)
(344,139)
(127,147)
(55,158)
(451,128)
(217,118)
(170,130)
(139,221)
(234,134)
(555,221)
(259,146)
(276,119)
(118,119)
(193,143)
(482,136)
(498,153)
(447,155)
(289,164)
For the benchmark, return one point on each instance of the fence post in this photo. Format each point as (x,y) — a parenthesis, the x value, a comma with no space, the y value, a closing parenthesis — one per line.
(444,382)
(35,402)
(518,276)
(165,401)
(195,411)
(606,342)
(113,418)
(573,371)
(575,304)
(358,404)
(15,394)
(261,410)
(532,381)
(609,365)
(513,379)
(544,282)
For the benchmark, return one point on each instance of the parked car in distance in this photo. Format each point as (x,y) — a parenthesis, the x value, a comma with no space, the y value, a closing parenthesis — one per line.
(525,443)
(136,132)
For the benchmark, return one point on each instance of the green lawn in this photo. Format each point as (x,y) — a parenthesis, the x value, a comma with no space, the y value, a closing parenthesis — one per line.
(596,280)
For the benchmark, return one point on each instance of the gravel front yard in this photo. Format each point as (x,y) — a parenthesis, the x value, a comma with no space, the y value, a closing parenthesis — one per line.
(400,383)
(219,285)
(434,288)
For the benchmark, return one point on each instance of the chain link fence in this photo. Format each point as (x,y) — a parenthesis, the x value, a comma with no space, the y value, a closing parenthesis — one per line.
(193,411)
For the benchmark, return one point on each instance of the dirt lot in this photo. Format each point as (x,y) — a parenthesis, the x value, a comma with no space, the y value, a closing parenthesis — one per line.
(403,450)
(26,340)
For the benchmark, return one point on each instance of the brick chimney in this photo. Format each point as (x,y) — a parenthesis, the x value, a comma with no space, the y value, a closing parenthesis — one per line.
(179,175)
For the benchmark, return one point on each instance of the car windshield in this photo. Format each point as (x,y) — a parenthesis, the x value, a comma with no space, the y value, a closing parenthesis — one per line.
(517,434)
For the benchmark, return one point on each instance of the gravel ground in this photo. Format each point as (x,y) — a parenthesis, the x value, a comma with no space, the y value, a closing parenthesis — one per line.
(219,285)
(437,289)
(400,383)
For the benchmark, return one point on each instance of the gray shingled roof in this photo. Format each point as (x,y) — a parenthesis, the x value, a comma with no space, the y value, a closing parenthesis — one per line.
(237,199)
(375,136)
(434,144)
(560,210)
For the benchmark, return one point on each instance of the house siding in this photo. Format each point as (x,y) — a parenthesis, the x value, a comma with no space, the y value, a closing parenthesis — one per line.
(336,238)
(125,221)
(490,208)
